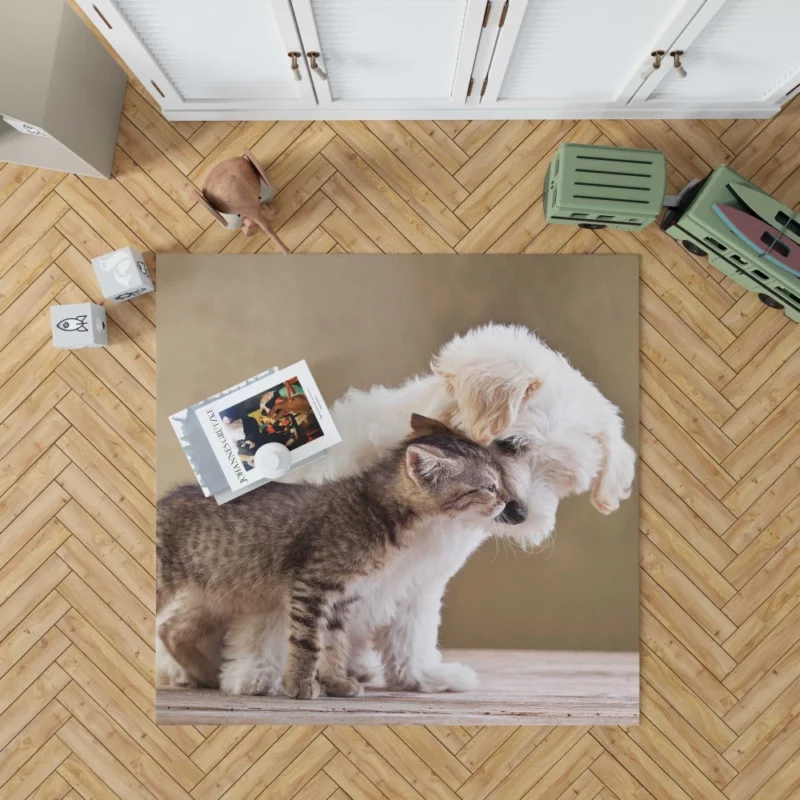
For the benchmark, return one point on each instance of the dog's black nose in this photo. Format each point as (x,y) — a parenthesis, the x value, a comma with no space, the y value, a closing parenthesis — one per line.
(514,513)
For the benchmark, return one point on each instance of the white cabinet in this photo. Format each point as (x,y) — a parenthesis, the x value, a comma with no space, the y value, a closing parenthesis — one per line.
(206,55)
(429,59)
(737,51)
(580,58)
(567,53)
(390,53)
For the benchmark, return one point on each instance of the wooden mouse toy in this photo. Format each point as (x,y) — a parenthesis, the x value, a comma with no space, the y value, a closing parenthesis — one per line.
(233,187)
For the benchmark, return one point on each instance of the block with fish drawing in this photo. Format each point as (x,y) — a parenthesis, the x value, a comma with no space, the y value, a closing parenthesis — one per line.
(123,274)
(78,325)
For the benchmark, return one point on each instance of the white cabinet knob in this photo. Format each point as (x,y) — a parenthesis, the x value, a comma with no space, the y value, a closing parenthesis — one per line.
(676,60)
(315,68)
(657,56)
(295,65)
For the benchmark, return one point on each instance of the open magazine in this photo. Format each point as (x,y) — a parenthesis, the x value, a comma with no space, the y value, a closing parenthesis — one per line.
(220,435)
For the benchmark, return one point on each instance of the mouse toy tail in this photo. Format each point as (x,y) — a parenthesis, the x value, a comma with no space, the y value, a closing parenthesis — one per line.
(263,222)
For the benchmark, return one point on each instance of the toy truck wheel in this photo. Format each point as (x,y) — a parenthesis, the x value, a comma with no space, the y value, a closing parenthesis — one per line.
(592,226)
(693,248)
(770,301)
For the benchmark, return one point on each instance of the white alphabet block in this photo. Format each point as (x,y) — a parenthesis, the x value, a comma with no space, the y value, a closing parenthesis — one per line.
(78,325)
(122,274)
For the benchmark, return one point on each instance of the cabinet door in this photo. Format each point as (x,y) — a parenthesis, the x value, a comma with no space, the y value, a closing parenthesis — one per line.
(393,54)
(206,53)
(577,54)
(734,51)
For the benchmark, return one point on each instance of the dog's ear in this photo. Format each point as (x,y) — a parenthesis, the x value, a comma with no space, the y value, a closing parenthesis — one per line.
(426,464)
(425,426)
(489,373)
(489,403)
(613,482)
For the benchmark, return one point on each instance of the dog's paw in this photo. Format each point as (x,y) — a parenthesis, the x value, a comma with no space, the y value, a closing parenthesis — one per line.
(251,679)
(365,666)
(341,687)
(448,677)
(169,673)
(172,677)
(304,689)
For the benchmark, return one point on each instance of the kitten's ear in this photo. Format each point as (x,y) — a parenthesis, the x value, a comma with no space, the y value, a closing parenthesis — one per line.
(424,426)
(426,464)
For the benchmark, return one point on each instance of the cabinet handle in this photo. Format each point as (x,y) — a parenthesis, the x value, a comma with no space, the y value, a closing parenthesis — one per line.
(100,14)
(295,66)
(312,57)
(503,15)
(676,60)
(657,55)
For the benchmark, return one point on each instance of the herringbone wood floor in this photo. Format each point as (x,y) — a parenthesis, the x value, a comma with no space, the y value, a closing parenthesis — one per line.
(720,547)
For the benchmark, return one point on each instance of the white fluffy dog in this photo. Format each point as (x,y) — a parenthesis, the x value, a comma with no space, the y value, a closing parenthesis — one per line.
(499,384)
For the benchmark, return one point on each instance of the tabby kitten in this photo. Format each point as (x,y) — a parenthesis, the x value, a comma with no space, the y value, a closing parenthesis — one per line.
(306,545)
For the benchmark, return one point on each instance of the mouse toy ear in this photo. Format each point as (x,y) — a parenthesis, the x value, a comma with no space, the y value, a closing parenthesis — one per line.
(425,426)
(257,167)
(210,208)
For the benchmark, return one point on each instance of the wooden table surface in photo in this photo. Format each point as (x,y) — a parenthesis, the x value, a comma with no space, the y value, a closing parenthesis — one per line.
(517,687)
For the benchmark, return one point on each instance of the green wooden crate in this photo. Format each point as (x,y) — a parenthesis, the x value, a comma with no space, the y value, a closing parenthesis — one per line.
(701,231)
(605,187)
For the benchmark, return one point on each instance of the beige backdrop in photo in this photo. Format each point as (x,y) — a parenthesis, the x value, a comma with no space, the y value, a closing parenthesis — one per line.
(364,320)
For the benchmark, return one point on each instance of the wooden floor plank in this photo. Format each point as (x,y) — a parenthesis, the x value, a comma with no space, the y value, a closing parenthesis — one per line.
(35,226)
(25,199)
(32,592)
(148,193)
(391,169)
(772,506)
(12,176)
(37,774)
(681,554)
(165,174)
(763,606)
(680,737)
(119,744)
(419,161)
(438,144)
(475,134)
(43,725)
(758,735)
(18,279)
(682,410)
(497,184)
(209,135)
(493,152)
(160,132)
(680,479)
(685,664)
(107,624)
(298,153)
(685,449)
(135,722)
(357,172)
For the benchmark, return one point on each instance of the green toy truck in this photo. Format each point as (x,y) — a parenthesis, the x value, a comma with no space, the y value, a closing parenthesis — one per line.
(613,187)
(700,230)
